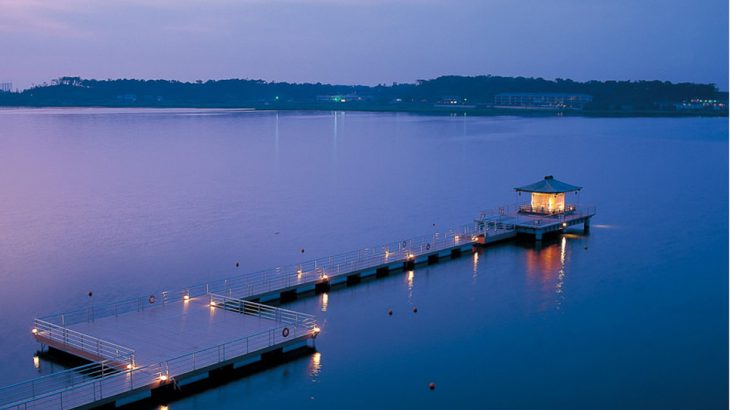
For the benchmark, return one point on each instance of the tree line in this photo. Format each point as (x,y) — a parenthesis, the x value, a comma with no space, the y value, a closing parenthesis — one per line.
(478,91)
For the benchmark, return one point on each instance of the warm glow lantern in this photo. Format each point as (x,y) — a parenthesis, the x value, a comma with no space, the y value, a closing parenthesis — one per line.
(548,196)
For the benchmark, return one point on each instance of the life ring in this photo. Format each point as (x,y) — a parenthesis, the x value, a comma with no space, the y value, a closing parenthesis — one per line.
(151,299)
(404,244)
(428,246)
(285,332)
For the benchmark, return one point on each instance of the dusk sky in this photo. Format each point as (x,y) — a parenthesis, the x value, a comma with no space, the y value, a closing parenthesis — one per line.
(363,41)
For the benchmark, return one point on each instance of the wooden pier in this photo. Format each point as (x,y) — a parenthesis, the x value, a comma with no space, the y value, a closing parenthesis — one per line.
(149,345)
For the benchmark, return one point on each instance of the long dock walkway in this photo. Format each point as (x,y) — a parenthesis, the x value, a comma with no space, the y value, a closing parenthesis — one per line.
(149,344)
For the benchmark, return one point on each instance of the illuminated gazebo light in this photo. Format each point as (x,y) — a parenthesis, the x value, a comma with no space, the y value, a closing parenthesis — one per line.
(548,196)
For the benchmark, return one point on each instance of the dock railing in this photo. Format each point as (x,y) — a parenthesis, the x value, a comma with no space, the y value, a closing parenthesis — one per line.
(153,375)
(40,386)
(514,211)
(93,347)
(284,316)
(135,304)
(327,268)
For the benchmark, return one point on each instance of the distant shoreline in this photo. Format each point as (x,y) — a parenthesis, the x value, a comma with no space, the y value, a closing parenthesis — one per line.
(445,95)
(477,112)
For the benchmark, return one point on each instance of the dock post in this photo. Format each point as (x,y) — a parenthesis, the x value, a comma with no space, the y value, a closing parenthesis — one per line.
(221,373)
(321,287)
(288,295)
(353,279)
(587,226)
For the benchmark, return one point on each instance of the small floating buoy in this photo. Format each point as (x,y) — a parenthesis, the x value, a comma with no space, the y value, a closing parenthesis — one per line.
(432,386)
(585,247)
(415,309)
(91,293)
(237,264)
(390,312)
(302,250)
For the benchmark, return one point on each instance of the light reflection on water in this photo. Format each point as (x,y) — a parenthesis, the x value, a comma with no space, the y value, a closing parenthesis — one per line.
(315,366)
(546,269)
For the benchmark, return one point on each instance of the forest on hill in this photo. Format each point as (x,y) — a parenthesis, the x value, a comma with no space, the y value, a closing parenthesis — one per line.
(446,93)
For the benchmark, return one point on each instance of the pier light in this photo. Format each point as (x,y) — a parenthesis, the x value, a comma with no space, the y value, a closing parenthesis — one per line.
(547,196)
(316,330)
(456,238)
(129,366)
(34,331)
(163,377)
(565,224)
(212,303)
(324,276)
(186,297)
(411,256)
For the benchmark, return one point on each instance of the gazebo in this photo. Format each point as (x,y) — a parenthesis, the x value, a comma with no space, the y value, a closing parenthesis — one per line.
(547,196)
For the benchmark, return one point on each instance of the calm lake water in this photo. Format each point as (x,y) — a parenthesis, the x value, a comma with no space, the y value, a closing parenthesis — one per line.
(634,315)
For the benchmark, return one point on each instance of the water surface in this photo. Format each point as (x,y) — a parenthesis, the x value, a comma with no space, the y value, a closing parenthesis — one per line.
(634,315)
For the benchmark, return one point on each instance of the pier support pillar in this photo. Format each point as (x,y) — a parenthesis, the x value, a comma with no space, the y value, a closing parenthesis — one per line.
(587,226)
(455,253)
(163,392)
(288,295)
(433,259)
(380,272)
(221,373)
(409,264)
(272,356)
(353,279)
(321,287)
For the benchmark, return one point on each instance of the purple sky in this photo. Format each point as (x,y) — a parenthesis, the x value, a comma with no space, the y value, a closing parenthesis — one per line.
(363,41)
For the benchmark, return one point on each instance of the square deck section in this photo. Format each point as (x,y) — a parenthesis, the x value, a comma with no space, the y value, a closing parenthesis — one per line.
(167,331)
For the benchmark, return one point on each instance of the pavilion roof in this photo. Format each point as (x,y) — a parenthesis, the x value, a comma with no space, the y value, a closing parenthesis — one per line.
(549,185)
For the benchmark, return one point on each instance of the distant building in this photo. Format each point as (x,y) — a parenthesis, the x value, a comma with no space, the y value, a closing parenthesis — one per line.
(343,98)
(6,87)
(574,101)
(453,102)
(698,104)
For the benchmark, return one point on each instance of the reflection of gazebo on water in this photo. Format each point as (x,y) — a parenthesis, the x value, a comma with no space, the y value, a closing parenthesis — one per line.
(547,197)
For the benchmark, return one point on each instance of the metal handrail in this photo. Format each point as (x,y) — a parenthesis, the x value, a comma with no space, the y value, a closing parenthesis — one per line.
(508,211)
(324,269)
(101,348)
(279,315)
(54,382)
(153,374)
